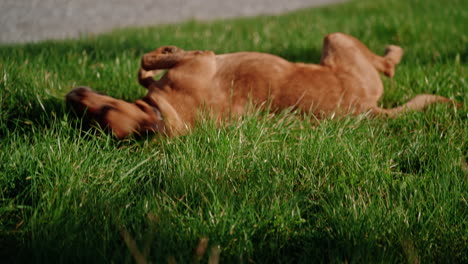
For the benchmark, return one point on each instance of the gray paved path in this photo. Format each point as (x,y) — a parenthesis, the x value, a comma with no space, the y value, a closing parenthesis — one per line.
(35,20)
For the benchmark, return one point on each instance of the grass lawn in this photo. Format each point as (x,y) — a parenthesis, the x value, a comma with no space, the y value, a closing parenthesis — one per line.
(264,189)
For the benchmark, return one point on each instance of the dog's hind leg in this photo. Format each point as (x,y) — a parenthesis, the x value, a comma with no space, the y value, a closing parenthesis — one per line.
(341,50)
(387,63)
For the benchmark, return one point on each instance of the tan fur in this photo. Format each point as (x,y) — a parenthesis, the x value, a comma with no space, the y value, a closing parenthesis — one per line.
(346,81)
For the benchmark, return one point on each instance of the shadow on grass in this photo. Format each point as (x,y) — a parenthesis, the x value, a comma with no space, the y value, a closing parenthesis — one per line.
(318,248)
(33,114)
(299,55)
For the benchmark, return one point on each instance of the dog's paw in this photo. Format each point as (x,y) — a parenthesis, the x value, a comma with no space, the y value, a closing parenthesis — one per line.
(168,50)
(394,53)
(143,74)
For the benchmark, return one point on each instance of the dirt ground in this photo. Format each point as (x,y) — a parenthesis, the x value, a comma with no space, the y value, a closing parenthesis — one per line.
(35,20)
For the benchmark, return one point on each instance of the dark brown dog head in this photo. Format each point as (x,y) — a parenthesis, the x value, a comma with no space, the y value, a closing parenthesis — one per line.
(121,117)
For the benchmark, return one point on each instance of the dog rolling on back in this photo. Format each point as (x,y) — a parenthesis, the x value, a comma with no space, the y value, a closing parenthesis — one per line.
(347,81)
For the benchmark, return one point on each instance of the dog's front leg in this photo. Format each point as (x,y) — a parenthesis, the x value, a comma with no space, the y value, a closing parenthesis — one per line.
(155,62)
(162,58)
(146,78)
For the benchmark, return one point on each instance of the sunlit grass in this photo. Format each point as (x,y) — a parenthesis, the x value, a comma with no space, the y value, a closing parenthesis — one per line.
(265,188)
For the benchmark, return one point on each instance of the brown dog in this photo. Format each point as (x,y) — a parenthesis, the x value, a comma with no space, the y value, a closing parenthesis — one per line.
(346,81)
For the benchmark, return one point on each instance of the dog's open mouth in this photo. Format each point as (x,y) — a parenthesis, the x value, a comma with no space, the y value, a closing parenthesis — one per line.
(153,105)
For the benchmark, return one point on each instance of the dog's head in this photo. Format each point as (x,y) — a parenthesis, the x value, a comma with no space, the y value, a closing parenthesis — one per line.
(121,117)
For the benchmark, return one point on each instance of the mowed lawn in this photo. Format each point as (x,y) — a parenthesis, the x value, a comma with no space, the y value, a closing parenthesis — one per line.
(265,189)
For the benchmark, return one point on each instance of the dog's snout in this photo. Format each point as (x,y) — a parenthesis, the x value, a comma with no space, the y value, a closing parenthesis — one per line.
(77,94)
(76,97)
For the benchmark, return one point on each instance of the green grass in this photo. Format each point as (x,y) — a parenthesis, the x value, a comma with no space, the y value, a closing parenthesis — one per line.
(265,189)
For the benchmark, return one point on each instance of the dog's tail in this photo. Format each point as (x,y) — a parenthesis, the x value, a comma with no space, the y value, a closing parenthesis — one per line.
(418,103)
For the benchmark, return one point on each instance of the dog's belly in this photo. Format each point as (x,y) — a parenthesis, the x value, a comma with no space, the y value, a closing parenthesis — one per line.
(259,78)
